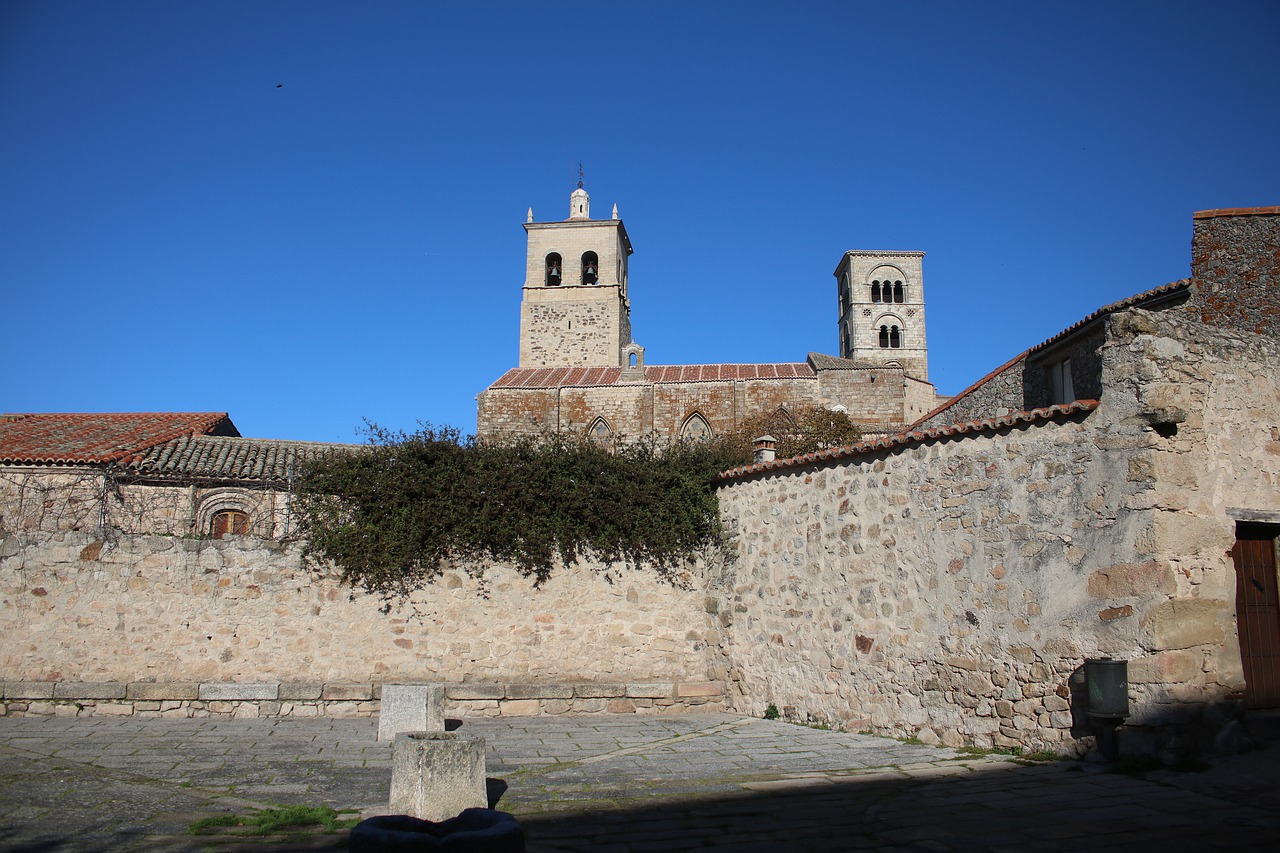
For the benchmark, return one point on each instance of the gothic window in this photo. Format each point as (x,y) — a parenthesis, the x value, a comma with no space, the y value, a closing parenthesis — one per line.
(590,268)
(695,428)
(553,269)
(897,291)
(599,431)
(229,522)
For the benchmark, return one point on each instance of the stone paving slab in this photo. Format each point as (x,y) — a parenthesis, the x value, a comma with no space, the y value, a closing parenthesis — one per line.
(707,781)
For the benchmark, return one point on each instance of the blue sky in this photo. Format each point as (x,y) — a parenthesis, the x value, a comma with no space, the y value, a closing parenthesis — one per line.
(309,213)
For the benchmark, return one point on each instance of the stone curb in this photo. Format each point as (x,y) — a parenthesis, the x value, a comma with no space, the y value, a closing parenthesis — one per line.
(344,699)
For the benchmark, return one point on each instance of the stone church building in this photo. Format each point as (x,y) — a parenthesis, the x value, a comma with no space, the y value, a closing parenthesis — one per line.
(580,369)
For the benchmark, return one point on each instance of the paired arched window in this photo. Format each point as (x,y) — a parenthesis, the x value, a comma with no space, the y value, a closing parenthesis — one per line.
(229,522)
(890,337)
(887,291)
(590,268)
(553,269)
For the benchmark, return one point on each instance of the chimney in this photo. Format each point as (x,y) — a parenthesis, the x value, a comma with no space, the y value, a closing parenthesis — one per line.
(1235,268)
(766,448)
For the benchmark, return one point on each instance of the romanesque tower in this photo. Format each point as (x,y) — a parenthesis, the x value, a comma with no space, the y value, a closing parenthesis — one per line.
(882,310)
(575,311)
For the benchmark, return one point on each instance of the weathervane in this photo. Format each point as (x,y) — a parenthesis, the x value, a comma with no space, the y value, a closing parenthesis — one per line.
(580,175)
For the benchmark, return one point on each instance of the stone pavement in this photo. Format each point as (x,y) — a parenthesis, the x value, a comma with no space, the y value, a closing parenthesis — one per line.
(602,784)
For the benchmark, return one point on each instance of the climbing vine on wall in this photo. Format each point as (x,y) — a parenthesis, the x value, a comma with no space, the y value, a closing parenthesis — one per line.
(392,517)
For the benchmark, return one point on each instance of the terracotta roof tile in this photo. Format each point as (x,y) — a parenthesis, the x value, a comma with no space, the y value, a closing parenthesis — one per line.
(207,457)
(903,439)
(585,377)
(84,438)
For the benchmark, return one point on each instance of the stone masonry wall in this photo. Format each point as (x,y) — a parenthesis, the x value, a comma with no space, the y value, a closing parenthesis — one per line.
(170,611)
(999,395)
(54,499)
(951,588)
(1235,268)
(1084,350)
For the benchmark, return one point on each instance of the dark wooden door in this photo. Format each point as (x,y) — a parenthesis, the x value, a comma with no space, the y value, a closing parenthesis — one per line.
(1258,614)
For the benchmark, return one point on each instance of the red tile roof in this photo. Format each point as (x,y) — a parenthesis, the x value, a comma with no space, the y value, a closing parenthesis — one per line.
(71,438)
(903,439)
(585,377)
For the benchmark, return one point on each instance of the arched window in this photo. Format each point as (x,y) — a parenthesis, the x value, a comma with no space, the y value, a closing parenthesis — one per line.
(875,291)
(897,291)
(884,337)
(229,522)
(553,269)
(590,268)
(695,428)
(895,338)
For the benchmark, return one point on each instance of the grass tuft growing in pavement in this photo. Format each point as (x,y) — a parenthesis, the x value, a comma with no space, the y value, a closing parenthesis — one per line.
(271,821)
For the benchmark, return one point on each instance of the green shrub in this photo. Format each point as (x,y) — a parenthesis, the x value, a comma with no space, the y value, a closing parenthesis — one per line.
(393,515)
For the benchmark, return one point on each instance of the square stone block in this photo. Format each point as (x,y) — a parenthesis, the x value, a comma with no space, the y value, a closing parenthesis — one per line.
(28,689)
(539,691)
(231,692)
(476,691)
(88,690)
(596,690)
(435,775)
(656,690)
(410,708)
(295,691)
(348,692)
(162,691)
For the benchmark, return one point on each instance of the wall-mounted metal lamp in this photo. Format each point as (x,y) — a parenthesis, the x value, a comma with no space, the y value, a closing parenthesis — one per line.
(1108,684)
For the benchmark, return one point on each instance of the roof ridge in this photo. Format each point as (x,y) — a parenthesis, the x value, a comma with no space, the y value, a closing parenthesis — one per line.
(910,437)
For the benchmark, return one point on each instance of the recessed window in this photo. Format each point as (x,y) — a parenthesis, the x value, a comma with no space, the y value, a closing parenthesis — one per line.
(1061,389)
(229,522)
(553,269)
(695,428)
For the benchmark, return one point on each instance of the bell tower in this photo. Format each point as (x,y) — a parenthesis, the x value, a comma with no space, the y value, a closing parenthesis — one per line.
(575,311)
(882,310)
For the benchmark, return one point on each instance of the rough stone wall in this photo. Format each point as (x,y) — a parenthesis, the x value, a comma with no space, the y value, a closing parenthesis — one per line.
(872,396)
(62,499)
(517,411)
(165,609)
(569,332)
(952,589)
(642,409)
(999,395)
(1084,350)
(1235,269)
